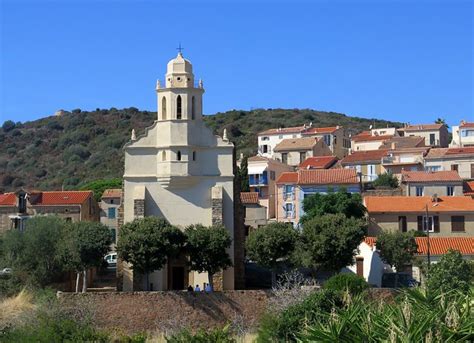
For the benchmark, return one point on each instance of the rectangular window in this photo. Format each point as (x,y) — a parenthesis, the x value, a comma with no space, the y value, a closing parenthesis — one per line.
(428,224)
(111,213)
(419,191)
(265,149)
(302,156)
(284,157)
(272,175)
(454,167)
(457,223)
(450,191)
(327,140)
(265,138)
(402,223)
(432,139)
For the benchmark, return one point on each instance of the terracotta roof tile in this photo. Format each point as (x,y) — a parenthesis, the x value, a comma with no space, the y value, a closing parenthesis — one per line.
(409,204)
(112,193)
(61,198)
(370,138)
(318,130)
(258,158)
(469,188)
(296,144)
(404,142)
(365,156)
(249,197)
(438,245)
(424,176)
(320,177)
(422,127)
(283,130)
(467,125)
(460,151)
(318,162)
(450,152)
(8,199)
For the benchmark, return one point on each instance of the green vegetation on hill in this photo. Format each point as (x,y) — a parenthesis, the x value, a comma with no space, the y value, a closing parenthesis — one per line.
(78,147)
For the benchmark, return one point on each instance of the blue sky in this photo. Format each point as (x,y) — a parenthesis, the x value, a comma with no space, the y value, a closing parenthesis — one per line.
(410,61)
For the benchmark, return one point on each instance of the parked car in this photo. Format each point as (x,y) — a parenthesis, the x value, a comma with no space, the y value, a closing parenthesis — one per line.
(402,280)
(111,259)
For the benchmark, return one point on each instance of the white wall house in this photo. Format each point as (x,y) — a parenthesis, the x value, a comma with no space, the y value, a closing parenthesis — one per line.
(463,135)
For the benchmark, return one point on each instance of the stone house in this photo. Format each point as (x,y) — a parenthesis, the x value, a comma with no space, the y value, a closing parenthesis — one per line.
(255,213)
(293,187)
(458,159)
(109,210)
(446,216)
(263,172)
(16,208)
(441,183)
(435,135)
(294,151)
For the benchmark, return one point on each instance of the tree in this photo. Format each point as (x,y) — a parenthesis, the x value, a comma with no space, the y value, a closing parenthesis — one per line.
(33,253)
(8,125)
(99,186)
(386,180)
(147,243)
(83,246)
(330,241)
(207,247)
(397,248)
(441,121)
(270,244)
(244,175)
(452,272)
(332,203)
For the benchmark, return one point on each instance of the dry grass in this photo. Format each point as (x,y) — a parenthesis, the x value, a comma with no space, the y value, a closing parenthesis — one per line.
(13,308)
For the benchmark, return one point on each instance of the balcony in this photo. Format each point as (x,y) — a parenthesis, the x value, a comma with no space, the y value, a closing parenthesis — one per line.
(258,179)
(391,160)
(160,84)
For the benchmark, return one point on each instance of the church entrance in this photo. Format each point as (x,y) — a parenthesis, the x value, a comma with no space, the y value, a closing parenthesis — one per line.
(178,276)
(177,280)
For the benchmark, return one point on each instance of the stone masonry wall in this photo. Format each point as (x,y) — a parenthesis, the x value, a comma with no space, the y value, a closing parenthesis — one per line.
(139,208)
(134,312)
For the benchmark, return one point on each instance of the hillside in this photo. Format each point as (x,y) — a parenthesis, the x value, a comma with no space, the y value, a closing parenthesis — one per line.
(69,150)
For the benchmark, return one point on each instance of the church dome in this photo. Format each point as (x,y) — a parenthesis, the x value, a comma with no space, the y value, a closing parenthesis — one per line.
(179,65)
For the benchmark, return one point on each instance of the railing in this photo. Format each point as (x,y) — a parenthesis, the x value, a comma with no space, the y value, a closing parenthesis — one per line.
(161,84)
(397,160)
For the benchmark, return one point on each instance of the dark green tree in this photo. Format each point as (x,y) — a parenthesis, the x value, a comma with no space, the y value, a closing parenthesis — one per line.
(147,243)
(83,246)
(397,249)
(452,272)
(270,244)
(8,125)
(332,203)
(207,248)
(386,180)
(99,186)
(441,121)
(330,241)
(244,175)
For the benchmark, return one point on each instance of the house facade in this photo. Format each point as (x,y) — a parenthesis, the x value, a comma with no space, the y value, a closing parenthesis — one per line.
(293,187)
(443,216)
(441,183)
(263,173)
(255,214)
(368,163)
(404,159)
(179,170)
(463,135)
(458,159)
(435,135)
(109,210)
(293,152)
(16,208)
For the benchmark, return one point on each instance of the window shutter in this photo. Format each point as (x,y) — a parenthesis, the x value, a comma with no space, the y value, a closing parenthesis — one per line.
(436,223)
(419,220)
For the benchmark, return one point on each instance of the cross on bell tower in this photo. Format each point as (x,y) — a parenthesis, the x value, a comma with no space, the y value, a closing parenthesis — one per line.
(180,49)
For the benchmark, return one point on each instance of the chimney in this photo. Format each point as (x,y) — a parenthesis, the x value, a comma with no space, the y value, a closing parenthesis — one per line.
(434,198)
(393,146)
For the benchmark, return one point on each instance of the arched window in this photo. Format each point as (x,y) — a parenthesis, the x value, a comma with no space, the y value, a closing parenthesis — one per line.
(178,155)
(163,156)
(163,108)
(178,107)
(193,111)
(194,155)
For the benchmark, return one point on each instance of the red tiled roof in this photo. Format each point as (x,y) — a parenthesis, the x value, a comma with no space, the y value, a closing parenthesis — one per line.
(365,156)
(423,176)
(320,177)
(8,199)
(112,193)
(421,127)
(457,151)
(249,197)
(289,144)
(258,158)
(318,162)
(61,198)
(469,188)
(438,245)
(288,177)
(450,152)
(369,138)
(394,204)
(317,130)
(403,142)
(283,130)
(467,125)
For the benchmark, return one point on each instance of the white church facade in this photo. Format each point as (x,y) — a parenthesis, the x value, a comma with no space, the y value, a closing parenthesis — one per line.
(179,170)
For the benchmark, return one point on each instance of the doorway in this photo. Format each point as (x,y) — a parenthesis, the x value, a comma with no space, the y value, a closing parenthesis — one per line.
(177,278)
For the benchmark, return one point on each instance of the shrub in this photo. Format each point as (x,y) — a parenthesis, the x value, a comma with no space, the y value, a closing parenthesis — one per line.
(450,273)
(213,336)
(386,180)
(8,125)
(286,325)
(346,282)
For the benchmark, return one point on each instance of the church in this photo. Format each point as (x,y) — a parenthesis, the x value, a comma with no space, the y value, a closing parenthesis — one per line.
(179,170)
